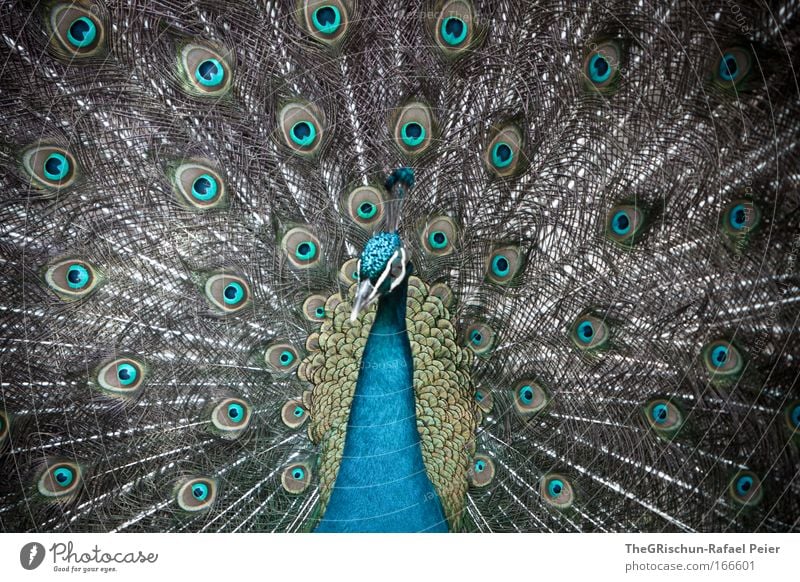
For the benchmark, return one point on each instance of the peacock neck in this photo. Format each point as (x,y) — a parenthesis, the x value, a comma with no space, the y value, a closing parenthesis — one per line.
(382,485)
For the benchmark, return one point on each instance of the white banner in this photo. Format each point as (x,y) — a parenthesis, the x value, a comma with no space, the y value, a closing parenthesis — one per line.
(265,557)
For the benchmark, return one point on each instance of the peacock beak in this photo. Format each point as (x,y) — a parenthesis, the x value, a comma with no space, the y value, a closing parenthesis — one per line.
(365,294)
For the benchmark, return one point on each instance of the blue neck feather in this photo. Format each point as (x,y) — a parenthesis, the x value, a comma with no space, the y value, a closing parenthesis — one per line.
(382,485)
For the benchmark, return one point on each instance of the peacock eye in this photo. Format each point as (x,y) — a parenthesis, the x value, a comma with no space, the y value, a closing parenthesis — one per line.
(439,236)
(365,206)
(741,217)
(121,376)
(413,128)
(227,292)
(625,223)
(230,417)
(196,494)
(482,471)
(722,358)
(281,357)
(294,414)
(504,263)
(50,167)
(207,71)
(77,32)
(454,30)
(301,126)
(601,66)
(314,308)
(556,490)
(72,278)
(663,416)
(198,186)
(745,488)
(589,332)
(733,66)
(296,478)
(301,247)
(480,338)
(503,154)
(60,479)
(530,398)
(326,21)
(413,134)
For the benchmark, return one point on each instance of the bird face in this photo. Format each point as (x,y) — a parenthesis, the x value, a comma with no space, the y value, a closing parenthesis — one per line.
(381,268)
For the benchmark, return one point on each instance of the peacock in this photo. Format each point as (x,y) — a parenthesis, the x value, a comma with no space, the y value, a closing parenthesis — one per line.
(399,266)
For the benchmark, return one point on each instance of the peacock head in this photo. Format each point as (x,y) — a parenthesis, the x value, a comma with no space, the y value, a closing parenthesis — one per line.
(384,263)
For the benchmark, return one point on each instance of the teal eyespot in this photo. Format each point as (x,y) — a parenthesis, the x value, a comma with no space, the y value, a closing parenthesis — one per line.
(601,66)
(664,417)
(59,480)
(741,217)
(296,478)
(302,247)
(733,66)
(502,155)
(723,360)
(230,417)
(227,292)
(413,134)
(482,471)
(589,332)
(327,19)
(365,206)
(438,239)
(314,308)
(233,293)
(484,400)
(530,398)
(200,491)
(294,414)
(72,279)
(64,476)
(504,263)
(794,416)
(302,126)
(196,494)
(303,133)
(555,487)
(439,235)
(56,167)
(746,489)
(557,491)
(412,126)
(210,73)
(319,312)
(50,167)
(82,32)
(306,250)
(454,30)
(205,187)
(121,377)
(76,31)
(453,27)
(235,412)
(78,276)
(367,210)
(207,71)
(480,338)
(625,224)
(126,374)
(281,357)
(500,266)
